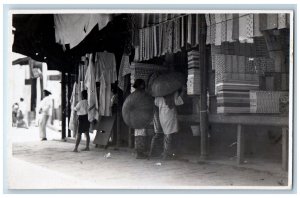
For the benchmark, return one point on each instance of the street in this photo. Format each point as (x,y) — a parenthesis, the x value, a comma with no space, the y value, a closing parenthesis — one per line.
(52,165)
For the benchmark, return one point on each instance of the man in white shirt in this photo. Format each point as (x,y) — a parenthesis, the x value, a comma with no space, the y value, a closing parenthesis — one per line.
(45,111)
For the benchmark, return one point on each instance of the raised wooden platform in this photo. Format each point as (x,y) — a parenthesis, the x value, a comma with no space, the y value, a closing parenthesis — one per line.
(247,119)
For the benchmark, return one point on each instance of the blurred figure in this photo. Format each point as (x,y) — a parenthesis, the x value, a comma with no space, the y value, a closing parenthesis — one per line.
(45,109)
(21,116)
(15,109)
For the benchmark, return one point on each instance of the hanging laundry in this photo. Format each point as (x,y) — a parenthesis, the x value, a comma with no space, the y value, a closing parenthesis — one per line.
(90,84)
(73,124)
(235,24)
(170,36)
(282,20)
(182,30)
(218,37)
(246,28)
(176,36)
(107,63)
(213,28)
(223,28)
(229,27)
(208,32)
(124,70)
(189,29)
(256,30)
(197,31)
(73,28)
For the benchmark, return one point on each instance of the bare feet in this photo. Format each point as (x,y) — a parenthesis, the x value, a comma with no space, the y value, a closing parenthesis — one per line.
(75,150)
(86,149)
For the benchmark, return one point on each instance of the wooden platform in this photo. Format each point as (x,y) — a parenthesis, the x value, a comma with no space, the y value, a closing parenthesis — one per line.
(242,120)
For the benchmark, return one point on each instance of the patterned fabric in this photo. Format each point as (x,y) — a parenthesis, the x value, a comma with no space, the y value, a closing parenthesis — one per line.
(223,28)
(170,38)
(207,19)
(245,27)
(266,101)
(213,28)
(229,27)
(235,29)
(256,30)
(218,32)
(282,21)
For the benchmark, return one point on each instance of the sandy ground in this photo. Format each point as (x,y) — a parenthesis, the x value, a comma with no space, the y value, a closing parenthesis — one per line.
(52,165)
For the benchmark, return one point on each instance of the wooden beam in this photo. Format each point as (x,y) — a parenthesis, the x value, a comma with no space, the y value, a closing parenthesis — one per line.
(63,105)
(203,87)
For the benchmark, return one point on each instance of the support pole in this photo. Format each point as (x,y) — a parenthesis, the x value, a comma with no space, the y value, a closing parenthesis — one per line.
(240,144)
(285,148)
(203,88)
(69,104)
(63,105)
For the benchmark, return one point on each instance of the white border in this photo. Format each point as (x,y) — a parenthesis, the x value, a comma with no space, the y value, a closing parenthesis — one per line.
(107,11)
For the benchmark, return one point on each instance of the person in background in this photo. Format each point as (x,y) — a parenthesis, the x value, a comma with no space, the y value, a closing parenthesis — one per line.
(21,117)
(168,120)
(140,134)
(15,109)
(84,125)
(45,109)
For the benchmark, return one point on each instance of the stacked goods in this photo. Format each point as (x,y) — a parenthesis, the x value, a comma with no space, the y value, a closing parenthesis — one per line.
(233,82)
(137,110)
(193,81)
(268,101)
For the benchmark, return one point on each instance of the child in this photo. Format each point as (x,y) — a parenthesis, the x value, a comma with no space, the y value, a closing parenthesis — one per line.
(84,124)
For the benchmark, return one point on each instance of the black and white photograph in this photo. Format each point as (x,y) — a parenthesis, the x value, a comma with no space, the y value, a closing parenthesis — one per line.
(150,99)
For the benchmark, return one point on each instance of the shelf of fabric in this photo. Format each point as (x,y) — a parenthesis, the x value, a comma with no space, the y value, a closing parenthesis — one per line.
(268,101)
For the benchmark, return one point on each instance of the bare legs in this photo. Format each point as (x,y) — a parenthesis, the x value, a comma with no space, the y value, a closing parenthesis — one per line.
(78,139)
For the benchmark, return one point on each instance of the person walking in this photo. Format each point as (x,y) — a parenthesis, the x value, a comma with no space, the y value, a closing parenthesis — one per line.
(22,116)
(45,109)
(83,126)
(168,120)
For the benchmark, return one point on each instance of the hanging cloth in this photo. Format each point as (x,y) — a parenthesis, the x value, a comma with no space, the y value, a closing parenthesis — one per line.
(246,28)
(90,84)
(73,28)
(235,24)
(107,64)
(189,30)
(229,27)
(182,31)
(73,124)
(170,36)
(223,28)
(282,20)
(124,70)
(256,30)
(213,28)
(207,19)
(218,29)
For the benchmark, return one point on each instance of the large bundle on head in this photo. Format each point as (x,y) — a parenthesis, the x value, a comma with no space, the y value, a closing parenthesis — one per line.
(137,110)
(167,83)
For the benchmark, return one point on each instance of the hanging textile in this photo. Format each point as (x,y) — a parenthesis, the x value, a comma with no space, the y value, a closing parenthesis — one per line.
(208,32)
(246,28)
(189,29)
(223,28)
(197,31)
(107,64)
(282,21)
(256,29)
(229,27)
(182,29)
(73,28)
(176,38)
(124,70)
(73,124)
(90,84)
(170,36)
(218,36)
(213,28)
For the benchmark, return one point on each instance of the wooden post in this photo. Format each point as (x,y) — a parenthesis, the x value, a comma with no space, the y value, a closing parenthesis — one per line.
(63,105)
(203,88)
(68,99)
(130,143)
(240,144)
(285,148)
